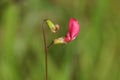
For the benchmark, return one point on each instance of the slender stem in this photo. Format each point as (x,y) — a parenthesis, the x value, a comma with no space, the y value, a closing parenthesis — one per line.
(46,51)
(50,45)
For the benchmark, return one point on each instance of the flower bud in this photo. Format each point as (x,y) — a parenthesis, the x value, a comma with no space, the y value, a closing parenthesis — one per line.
(54,28)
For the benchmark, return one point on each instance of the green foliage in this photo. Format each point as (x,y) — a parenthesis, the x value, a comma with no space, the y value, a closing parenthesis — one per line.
(93,55)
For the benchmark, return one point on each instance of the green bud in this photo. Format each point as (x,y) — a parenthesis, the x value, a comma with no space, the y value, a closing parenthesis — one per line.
(54,28)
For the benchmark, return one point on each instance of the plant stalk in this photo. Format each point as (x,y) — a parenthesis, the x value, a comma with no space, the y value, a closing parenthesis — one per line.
(46,51)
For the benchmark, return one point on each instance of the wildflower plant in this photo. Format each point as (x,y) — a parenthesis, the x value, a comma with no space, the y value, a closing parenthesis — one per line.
(72,32)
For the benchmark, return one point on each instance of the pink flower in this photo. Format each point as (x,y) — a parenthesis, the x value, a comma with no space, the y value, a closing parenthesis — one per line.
(73,30)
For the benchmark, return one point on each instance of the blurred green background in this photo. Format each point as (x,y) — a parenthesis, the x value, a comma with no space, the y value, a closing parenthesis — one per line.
(93,55)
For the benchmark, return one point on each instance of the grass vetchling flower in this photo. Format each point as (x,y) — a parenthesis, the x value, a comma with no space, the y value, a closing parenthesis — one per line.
(73,30)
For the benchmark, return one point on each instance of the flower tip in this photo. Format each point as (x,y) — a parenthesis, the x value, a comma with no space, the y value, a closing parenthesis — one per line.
(73,20)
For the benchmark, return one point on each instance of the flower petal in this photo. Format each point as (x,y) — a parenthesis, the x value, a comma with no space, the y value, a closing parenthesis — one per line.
(73,30)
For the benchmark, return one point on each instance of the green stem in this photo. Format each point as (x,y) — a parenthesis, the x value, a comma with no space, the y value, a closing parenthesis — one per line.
(50,45)
(46,51)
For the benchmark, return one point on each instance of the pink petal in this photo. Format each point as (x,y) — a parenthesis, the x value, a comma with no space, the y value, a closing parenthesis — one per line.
(73,30)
